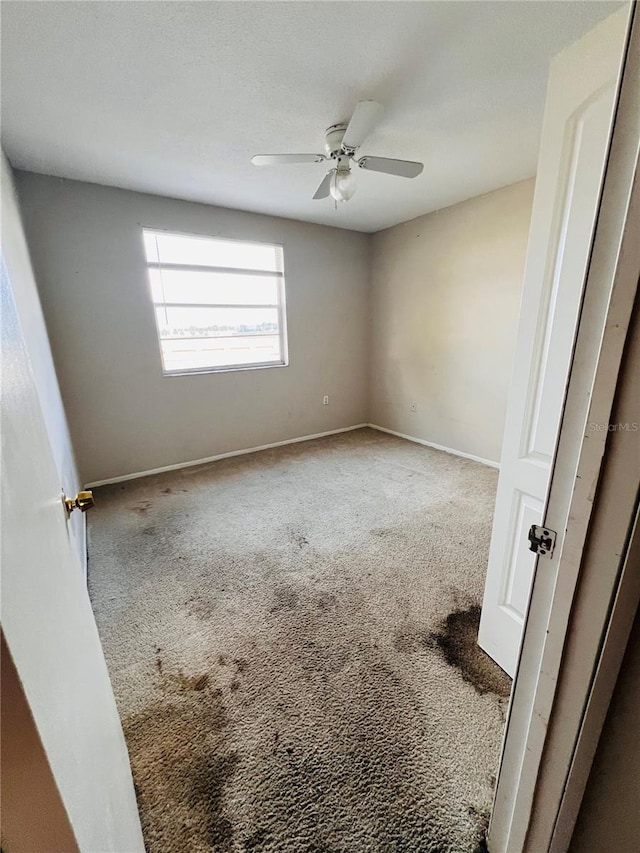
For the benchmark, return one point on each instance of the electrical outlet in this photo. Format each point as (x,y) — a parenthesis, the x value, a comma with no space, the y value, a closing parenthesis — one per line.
(325,400)
(413,407)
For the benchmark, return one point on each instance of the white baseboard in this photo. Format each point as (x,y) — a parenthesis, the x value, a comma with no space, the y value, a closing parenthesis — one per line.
(176,467)
(450,450)
(218,456)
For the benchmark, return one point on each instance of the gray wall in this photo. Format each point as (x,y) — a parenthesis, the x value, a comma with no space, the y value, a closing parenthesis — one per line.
(445,301)
(426,312)
(125,417)
(16,257)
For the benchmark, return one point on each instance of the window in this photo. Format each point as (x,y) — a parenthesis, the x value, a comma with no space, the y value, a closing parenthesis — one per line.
(218,304)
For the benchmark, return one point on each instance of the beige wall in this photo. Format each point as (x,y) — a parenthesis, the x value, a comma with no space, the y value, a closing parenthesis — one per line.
(33,814)
(608,819)
(124,415)
(445,304)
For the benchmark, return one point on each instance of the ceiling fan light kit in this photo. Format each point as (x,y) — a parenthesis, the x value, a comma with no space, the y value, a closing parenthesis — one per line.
(342,185)
(341,143)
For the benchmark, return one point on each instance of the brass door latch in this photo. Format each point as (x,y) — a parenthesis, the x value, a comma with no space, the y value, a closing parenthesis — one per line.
(82,501)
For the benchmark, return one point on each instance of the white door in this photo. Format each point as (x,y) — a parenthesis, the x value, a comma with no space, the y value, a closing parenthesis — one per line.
(575,137)
(48,623)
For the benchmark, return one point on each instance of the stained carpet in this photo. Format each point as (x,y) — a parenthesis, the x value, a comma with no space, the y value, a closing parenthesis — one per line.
(291,637)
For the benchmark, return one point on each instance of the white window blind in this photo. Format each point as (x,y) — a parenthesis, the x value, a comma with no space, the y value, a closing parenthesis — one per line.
(218,304)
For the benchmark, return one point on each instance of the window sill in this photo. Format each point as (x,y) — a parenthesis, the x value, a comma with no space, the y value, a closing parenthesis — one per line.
(198,371)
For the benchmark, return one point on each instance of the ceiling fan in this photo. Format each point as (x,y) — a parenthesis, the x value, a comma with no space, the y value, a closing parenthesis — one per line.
(341,143)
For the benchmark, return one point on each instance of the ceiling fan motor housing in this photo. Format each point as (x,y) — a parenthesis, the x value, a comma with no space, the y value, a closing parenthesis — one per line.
(333,140)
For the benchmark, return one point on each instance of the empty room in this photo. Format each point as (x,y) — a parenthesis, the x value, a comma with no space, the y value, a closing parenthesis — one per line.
(317,320)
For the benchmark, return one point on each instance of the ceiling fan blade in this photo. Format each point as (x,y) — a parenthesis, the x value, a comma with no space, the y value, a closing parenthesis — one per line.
(364,119)
(323,189)
(403,168)
(283,159)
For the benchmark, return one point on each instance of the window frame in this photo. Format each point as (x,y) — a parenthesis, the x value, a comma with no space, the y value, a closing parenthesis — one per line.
(281,307)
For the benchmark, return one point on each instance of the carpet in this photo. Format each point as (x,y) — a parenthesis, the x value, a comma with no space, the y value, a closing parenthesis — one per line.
(291,638)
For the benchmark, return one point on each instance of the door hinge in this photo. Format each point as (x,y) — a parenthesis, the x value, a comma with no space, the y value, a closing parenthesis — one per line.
(542,540)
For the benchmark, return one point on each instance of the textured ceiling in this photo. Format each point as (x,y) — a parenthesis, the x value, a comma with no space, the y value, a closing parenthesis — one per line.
(173,98)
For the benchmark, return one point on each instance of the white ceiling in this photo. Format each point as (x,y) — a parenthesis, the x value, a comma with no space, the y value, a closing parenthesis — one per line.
(173,98)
